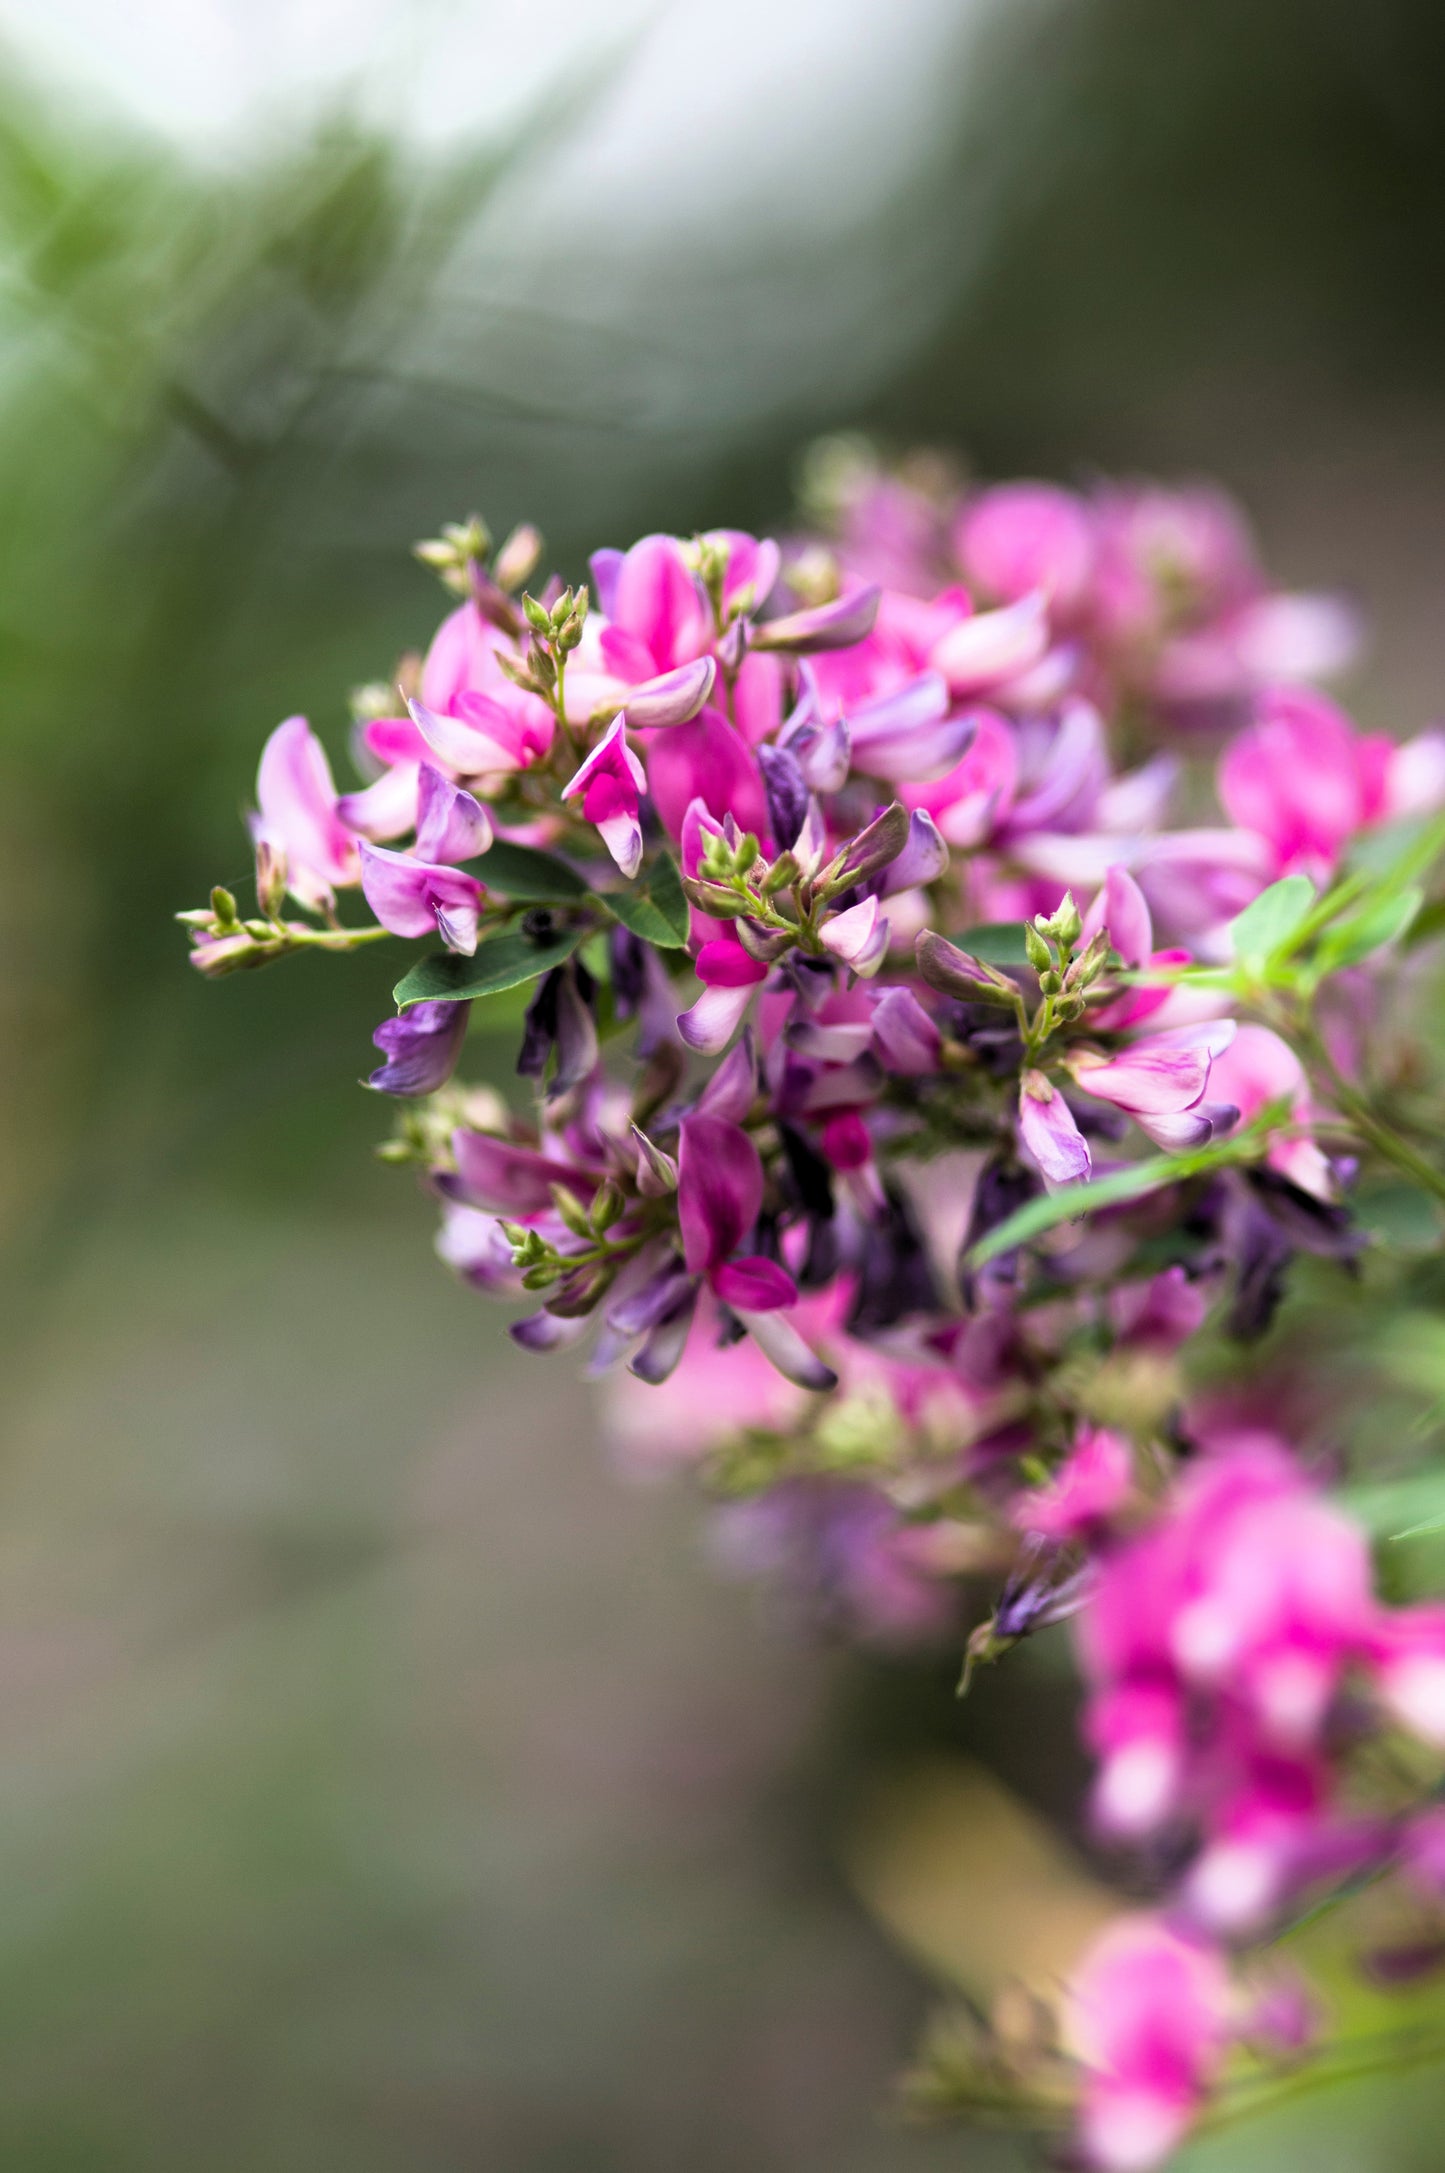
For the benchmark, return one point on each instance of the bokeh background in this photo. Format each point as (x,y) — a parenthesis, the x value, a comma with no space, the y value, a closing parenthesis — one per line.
(383,1781)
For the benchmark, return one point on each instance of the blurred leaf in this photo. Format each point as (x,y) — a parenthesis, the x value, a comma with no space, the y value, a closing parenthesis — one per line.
(1377,923)
(520,871)
(997,943)
(1267,925)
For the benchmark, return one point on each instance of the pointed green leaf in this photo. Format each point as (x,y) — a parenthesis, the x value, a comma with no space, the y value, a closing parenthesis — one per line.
(658,914)
(502,961)
(1047,1212)
(1267,925)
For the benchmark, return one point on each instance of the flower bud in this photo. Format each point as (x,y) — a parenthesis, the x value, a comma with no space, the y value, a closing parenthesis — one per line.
(608,1202)
(957,973)
(223,907)
(1040,957)
(571,1210)
(537,616)
(518,556)
(270,878)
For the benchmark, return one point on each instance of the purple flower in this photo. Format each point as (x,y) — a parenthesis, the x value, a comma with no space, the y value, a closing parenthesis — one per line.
(421,1048)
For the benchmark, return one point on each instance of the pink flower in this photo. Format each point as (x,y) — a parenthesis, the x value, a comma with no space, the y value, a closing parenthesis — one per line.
(1160,1082)
(1091,1483)
(612,782)
(297,814)
(1025,538)
(1049,1134)
(1258,1069)
(1148,2015)
(1307,782)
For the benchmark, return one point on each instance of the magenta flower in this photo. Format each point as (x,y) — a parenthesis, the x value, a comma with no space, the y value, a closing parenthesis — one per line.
(706,760)
(719,1194)
(612,782)
(1148,2015)
(297,814)
(729,976)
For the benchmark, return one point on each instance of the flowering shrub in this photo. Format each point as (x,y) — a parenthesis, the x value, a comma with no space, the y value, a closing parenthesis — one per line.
(912,1097)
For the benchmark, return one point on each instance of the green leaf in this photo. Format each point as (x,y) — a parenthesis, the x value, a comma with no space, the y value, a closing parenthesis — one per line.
(502,961)
(1377,923)
(658,914)
(1409,1508)
(997,943)
(1266,926)
(1046,1213)
(520,871)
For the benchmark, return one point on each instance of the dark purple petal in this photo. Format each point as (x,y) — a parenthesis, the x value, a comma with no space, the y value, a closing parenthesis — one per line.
(719,1189)
(421,1048)
(659,1355)
(787,791)
(547,1331)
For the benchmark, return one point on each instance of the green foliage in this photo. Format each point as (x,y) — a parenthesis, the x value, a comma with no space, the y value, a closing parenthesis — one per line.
(502,961)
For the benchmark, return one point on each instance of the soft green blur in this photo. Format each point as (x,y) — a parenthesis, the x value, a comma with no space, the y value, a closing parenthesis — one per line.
(387,1784)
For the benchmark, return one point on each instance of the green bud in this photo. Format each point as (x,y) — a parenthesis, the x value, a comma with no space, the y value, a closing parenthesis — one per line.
(782,875)
(608,1202)
(570,1208)
(223,906)
(1066,925)
(541,1277)
(538,617)
(746,853)
(1051,982)
(1040,957)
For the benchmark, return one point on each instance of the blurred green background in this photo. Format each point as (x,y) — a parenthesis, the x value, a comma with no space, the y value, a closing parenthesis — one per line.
(384,1782)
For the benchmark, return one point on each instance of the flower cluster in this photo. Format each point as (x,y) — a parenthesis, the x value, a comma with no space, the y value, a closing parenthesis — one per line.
(908,1091)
